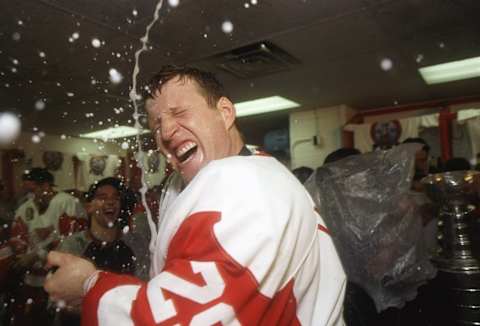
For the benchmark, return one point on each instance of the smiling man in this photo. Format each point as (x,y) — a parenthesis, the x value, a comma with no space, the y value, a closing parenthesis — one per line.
(108,209)
(192,121)
(239,241)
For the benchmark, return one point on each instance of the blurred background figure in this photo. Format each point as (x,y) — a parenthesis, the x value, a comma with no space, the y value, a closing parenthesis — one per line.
(6,253)
(302,173)
(109,206)
(366,201)
(359,308)
(340,153)
(425,207)
(457,164)
(139,234)
(7,208)
(26,190)
(39,225)
(422,162)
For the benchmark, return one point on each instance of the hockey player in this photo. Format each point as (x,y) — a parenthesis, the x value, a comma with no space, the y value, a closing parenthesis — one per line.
(239,242)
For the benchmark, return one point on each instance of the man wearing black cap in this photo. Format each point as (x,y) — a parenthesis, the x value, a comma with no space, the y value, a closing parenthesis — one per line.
(38,227)
(26,189)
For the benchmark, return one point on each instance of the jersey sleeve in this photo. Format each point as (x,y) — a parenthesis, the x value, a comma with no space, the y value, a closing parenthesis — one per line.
(72,217)
(221,266)
(19,235)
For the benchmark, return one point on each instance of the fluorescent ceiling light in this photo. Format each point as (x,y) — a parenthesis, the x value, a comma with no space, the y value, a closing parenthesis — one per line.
(114,132)
(450,71)
(264,105)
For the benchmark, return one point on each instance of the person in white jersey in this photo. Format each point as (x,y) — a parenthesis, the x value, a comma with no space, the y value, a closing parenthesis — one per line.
(240,243)
(40,224)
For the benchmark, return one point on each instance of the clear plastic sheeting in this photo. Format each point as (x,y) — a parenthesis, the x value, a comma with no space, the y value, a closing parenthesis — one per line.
(375,223)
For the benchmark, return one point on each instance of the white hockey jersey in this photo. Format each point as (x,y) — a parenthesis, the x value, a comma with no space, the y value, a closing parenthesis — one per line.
(40,233)
(240,245)
(64,216)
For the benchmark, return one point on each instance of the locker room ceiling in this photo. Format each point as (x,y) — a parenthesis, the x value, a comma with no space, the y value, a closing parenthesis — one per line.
(338,45)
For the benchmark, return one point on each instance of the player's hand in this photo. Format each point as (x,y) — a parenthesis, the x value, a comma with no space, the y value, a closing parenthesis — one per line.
(66,284)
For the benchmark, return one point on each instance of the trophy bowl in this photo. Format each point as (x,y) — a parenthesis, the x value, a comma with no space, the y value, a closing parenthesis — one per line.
(452,188)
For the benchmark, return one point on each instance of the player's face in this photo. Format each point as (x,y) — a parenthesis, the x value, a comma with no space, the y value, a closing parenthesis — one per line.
(188,131)
(42,192)
(106,202)
(421,162)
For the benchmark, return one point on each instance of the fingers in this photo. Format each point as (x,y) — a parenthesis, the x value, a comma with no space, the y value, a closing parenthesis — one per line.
(66,283)
(51,287)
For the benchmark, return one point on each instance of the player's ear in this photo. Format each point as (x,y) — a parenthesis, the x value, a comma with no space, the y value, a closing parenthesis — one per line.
(227,110)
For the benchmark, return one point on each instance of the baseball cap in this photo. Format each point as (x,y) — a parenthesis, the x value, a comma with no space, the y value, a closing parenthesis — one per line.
(39,175)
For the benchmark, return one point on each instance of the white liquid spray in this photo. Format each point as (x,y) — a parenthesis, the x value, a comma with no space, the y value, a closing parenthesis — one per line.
(140,154)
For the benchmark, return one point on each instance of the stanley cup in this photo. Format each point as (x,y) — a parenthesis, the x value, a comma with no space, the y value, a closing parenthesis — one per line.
(454,193)
(456,289)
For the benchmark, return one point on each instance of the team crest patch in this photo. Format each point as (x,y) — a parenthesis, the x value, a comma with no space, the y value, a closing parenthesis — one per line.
(386,134)
(98,165)
(53,160)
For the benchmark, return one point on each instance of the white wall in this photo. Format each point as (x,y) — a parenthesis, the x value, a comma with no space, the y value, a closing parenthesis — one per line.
(326,124)
(69,146)
(399,115)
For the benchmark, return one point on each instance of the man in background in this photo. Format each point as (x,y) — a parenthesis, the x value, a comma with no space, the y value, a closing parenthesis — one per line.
(422,162)
(26,189)
(39,225)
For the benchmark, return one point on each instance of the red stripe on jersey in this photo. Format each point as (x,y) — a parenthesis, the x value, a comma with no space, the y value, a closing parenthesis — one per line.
(70,224)
(261,153)
(106,281)
(19,236)
(324,229)
(195,241)
(141,312)
(195,244)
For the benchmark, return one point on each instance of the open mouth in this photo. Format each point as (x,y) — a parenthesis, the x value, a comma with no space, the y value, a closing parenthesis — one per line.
(109,211)
(187,151)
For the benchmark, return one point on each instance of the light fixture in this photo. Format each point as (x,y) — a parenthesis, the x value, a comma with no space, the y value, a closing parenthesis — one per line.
(264,105)
(451,71)
(114,132)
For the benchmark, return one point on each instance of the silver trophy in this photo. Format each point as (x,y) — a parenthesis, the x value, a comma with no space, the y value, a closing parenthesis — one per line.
(454,194)
(458,256)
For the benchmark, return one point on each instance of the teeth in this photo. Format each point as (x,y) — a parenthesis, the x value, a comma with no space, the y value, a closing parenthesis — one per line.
(185,148)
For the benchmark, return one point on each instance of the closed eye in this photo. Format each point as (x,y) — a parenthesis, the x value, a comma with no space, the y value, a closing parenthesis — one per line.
(179,110)
(156,130)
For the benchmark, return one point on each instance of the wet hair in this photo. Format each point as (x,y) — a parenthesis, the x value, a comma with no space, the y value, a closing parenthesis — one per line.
(341,153)
(418,140)
(39,176)
(209,86)
(127,197)
(457,164)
